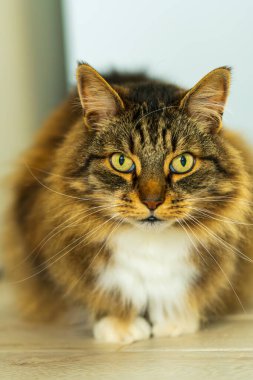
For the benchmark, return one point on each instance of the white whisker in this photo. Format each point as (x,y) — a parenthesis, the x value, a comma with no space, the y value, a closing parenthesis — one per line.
(221,218)
(57,254)
(222,241)
(222,270)
(94,258)
(52,190)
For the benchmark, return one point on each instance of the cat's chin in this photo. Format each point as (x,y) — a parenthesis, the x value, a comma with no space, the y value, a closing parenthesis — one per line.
(152,226)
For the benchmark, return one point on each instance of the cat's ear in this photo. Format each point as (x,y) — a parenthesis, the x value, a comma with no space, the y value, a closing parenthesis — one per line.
(99,100)
(206,100)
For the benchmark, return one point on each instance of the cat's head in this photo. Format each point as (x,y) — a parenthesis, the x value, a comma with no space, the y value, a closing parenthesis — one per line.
(154,154)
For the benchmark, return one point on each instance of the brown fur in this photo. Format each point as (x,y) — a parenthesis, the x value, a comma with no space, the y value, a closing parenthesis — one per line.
(68,199)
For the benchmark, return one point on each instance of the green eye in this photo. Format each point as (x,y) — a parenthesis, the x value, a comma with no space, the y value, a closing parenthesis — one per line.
(182,164)
(122,163)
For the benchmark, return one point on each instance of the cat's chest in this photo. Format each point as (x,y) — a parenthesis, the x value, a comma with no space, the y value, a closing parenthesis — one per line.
(151,269)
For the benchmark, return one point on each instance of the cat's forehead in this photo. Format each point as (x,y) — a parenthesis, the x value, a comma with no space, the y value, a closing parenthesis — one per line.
(149,134)
(167,131)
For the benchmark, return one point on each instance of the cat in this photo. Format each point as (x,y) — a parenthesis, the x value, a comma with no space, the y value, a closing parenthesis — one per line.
(136,203)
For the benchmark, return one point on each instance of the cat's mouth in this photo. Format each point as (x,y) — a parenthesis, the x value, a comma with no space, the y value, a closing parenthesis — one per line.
(152,222)
(151,219)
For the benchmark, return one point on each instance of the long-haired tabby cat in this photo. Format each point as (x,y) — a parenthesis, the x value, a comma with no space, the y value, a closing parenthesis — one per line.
(137,206)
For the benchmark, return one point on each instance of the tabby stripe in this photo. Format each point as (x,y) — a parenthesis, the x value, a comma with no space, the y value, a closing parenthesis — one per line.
(216,163)
(139,129)
(83,168)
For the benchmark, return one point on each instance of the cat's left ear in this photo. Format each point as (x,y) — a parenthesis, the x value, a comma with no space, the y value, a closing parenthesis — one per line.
(207,99)
(99,100)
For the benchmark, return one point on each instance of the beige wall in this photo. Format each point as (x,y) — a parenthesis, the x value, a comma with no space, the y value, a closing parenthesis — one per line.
(32,73)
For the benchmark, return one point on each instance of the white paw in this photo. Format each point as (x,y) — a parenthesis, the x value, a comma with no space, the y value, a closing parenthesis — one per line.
(113,330)
(175,328)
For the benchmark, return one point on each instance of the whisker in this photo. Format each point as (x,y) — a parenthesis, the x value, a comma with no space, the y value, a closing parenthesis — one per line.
(71,249)
(84,216)
(154,111)
(181,223)
(222,241)
(50,173)
(220,199)
(222,218)
(222,270)
(54,191)
(48,238)
(94,258)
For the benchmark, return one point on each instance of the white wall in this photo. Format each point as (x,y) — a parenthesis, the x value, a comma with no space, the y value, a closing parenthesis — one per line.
(176,40)
(32,76)
(32,73)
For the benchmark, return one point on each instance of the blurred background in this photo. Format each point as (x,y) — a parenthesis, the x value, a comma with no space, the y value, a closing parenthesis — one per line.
(42,40)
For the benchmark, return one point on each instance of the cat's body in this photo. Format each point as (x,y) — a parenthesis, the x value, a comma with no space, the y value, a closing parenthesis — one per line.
(82,232)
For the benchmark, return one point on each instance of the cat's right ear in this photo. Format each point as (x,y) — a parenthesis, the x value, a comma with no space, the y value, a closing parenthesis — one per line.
(99,100)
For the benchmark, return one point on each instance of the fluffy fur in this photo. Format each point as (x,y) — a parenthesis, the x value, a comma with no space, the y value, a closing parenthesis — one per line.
(79,231)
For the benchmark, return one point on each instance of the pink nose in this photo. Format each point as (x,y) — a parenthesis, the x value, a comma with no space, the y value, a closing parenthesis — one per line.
(152,204)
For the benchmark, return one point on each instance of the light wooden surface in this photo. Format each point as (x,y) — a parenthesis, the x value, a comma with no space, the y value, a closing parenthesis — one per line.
(221,351)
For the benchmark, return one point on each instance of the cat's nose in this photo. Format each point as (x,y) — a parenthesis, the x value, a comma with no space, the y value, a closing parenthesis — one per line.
(152,204)
(152,192)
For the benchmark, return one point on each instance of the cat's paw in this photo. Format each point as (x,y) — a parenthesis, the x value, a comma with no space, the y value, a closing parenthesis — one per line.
(175,328)
(113,330)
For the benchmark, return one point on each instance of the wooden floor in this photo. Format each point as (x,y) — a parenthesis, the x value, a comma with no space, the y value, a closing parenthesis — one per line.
(222,351)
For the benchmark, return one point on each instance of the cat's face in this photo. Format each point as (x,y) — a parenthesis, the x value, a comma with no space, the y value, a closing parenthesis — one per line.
(153,167)
(158,168)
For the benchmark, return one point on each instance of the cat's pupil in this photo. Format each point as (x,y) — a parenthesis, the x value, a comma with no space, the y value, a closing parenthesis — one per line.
(183,160)
(121,160)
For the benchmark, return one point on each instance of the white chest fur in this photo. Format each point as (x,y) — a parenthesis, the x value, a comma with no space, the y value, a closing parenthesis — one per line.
(151,269)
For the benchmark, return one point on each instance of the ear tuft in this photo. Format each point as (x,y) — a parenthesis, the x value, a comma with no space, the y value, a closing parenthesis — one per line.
(99,100)
(207,99)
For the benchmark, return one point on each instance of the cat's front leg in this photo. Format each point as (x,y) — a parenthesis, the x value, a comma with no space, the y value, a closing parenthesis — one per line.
(115,330)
